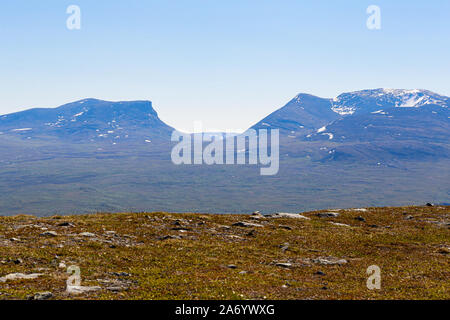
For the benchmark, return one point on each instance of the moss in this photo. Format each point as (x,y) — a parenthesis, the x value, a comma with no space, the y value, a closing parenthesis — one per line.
(195,266)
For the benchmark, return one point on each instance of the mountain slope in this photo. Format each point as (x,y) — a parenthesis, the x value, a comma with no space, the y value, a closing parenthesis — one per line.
(300,115)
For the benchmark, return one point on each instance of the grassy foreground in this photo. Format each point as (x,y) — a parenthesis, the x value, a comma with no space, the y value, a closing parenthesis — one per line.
(198,256)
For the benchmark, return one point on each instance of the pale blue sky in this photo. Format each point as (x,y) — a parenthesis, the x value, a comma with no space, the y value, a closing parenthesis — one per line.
(226,63)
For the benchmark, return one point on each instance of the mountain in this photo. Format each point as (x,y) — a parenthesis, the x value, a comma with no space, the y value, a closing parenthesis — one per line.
(88,120)
(310,112)
(368,125)
(377,147)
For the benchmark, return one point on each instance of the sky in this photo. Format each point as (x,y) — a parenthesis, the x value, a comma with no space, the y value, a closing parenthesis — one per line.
(226,63)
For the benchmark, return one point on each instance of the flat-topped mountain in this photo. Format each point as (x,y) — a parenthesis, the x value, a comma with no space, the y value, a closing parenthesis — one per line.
(88,120)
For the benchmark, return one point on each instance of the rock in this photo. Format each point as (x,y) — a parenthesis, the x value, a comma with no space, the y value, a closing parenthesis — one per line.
(86,234)
(429,204)
(62,265)
(18,276)
(247,224)
(360,209)
(18,261)
(320,273)
(329,261)
(285,227)
(42,296)
(256,215)
(339,224)
(373,226)
(231,266)
(251,233)
(110,233)
(65,224)
(233,236)
(283,264)
(360,219)
(181,229)
(409,217)
(121,274)
(14,240)
(284,246)
(327,214)
(243,272)
(82,289)
(288,215)
(115,289)
(169,237)
(444,250)
(49,234)
(438,222)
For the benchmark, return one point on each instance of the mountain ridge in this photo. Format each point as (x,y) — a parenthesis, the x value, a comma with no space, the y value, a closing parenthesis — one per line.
(386,155)
(88,119)
(319,111)
(349,103)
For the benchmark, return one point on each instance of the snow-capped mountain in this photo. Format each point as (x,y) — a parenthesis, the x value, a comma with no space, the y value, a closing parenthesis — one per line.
(378,124)
(369,100)
(307,111)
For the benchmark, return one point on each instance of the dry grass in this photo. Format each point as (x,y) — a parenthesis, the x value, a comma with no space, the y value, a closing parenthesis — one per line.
(410,245)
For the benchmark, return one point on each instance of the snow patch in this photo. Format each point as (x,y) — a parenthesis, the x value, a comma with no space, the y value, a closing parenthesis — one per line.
(343,110)
(23,129)
(360,209)
(330,135)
